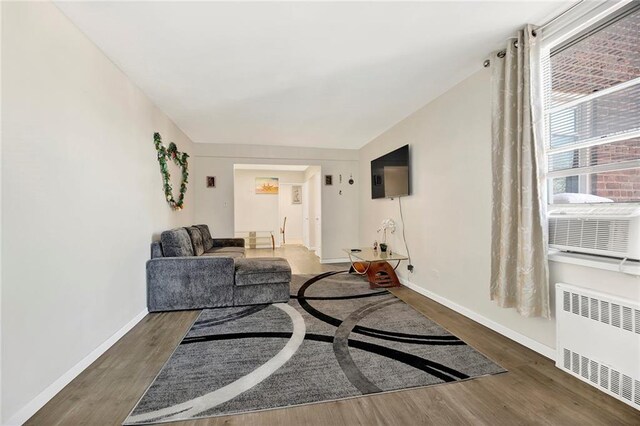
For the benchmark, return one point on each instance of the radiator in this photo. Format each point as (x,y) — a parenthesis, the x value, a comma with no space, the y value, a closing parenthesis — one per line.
(598,340)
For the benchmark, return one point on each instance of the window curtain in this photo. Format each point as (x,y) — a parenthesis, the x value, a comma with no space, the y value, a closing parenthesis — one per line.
(519,273)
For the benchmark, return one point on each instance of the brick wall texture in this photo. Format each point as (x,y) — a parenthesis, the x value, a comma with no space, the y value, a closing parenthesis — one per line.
(609,57)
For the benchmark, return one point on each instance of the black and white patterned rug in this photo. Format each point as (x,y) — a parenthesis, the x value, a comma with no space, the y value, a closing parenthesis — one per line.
(335,339)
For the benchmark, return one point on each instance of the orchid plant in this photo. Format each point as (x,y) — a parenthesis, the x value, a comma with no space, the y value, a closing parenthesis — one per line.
(387,224)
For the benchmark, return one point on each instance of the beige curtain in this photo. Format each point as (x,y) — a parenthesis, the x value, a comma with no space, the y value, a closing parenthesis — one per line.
(519,275)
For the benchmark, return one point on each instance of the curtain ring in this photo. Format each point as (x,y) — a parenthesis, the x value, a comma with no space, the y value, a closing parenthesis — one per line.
(502,53)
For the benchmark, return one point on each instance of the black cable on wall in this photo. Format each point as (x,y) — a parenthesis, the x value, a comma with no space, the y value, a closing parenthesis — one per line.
(404,237)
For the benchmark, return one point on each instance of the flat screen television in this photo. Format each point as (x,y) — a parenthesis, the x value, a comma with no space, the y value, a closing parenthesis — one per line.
(390,174)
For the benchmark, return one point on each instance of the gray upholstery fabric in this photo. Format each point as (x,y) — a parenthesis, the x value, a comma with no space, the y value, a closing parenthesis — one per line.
(264,270)
(176,243)
(196,240)
(206,236)
(189,283)
(156,250)
(184,274)
(228,242)
(259,294)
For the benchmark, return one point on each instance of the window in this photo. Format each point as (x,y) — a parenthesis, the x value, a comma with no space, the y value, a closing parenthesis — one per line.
(592,114)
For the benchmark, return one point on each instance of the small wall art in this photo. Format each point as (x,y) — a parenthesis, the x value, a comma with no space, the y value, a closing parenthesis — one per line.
(328,180)
(211,181)
(296,194)
(267,185)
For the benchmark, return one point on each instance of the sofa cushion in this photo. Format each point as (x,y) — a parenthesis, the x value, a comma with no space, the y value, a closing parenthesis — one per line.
(227,250)
(196,240)
(261,294)
(228,242)
(262,270)
(156,250)
(176,243)
(206,236)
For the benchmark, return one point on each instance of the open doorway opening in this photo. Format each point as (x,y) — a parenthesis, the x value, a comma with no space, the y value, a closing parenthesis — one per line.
(312,210)
(278,205)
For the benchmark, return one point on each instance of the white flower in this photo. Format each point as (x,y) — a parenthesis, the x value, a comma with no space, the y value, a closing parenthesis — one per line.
(388,224)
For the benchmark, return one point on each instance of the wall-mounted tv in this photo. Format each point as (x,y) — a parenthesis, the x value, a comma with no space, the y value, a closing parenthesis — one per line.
(390,174)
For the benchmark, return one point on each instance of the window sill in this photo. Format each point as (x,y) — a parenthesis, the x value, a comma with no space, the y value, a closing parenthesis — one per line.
(597,262)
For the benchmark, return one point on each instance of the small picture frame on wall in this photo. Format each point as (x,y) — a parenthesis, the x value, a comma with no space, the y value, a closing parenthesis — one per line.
(211,181)
(267,185)
(296,194)
(328,180)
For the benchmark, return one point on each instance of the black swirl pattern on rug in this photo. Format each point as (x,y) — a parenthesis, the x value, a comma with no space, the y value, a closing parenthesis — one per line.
(435,369)
(226,318)
(440,371)
(314,348)
(371,332)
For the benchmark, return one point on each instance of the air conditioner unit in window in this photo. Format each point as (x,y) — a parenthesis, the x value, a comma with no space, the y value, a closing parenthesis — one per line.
(596,229)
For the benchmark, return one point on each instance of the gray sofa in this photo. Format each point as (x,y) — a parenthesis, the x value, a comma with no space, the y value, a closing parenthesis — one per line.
(189,269)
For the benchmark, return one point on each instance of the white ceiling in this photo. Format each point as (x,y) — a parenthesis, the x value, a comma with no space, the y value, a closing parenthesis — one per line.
(315,74)
(273,167)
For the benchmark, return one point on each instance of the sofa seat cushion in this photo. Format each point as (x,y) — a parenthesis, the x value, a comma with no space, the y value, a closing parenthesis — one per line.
(176,243)
(261,294)
(262,270)
(206,236)
(196,240)
(232,255)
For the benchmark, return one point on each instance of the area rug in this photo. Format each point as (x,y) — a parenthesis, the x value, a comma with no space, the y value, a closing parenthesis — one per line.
(335,339)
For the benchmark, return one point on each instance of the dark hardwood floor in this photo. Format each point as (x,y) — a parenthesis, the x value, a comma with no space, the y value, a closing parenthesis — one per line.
(532,392)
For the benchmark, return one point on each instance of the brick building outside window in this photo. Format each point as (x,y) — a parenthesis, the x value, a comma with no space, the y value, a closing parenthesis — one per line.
(593,114)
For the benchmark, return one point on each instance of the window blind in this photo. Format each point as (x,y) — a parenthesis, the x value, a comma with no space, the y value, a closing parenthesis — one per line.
(592,111)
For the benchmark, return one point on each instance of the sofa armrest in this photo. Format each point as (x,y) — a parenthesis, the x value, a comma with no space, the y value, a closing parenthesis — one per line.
(177,283)
(228,242)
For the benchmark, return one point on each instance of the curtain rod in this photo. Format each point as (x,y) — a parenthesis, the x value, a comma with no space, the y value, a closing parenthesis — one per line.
(552,20)
(487,62)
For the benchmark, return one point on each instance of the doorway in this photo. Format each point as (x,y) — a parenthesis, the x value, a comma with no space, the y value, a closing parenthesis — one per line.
(312,210)
(278,205)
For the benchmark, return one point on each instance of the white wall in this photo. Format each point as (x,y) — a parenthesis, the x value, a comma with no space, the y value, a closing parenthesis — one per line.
(293,213)
(312,216)
(81,199)
(339,212)
(1,7)
(448,216)
(261,212)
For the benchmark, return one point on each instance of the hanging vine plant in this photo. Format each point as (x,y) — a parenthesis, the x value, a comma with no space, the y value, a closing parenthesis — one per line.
(179,158)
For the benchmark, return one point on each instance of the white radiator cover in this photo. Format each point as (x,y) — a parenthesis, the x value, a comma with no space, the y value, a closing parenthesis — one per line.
(598,340)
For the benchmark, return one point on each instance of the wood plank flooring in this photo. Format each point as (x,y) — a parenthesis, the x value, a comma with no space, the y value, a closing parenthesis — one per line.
(533,392)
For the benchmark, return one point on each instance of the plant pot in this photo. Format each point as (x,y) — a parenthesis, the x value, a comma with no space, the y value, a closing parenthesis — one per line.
(383,247)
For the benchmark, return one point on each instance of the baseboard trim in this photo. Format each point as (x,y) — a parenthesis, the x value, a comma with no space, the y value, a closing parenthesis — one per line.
(336,260)
(46,395)
(534,345)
